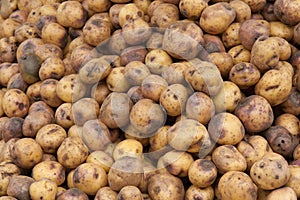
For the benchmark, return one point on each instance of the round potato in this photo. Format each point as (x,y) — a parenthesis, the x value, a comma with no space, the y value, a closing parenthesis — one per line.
(7,171)
(19,187)
(106,193)
(49,169)
(130,192)
(194,192)
(15,103)
(43,188)
(285,192)
(101,158)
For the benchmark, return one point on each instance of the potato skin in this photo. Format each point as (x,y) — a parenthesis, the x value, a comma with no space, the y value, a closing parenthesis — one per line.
(19,187)
(166,186)
(236,185)
(73,193)
(106,193)
(130,192)
(52,170)
(194,192)
(285,192)
(255,113)
(270,172)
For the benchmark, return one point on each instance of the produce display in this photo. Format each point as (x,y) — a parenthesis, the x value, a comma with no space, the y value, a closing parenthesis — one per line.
(149,99)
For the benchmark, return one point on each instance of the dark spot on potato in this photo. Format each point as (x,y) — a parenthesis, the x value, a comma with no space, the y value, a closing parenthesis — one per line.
(276,177)
(206,165)
(156,189)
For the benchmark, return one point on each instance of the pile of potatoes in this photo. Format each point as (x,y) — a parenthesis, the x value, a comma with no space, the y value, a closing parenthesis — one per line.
(150,99)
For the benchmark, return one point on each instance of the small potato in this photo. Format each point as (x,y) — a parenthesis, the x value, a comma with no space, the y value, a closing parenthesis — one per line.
(213,43)
(226,129)
(130,193)
(166,186)
(116,80)
(80,55)
(73,193)
(8,27)
(244,75)
(157,60)
(106,193)
(84,110)
(294,178)
(71,14)
(177,163)
(49,169)
(114,14)
(136,72)
(236,185)
(17,82)
(40,106)
(285,192)
(7,71)
(7,7)
(270,172)
(252,29)
(192,9)
(223,61)
(253,149)
(125,171)
(153,86)
(159,139)
(100,92)
(31,125)
(115,110)
(190,35)
(230,37)
(60,36)
(97,29)
(291,105)
(256,6)
(255,113)
(43,188)
(194,192)
(279,29)
(15,103)
(242,10)
(12,128)
(285,50)
(281,140)
(135,53)
(290,122)
(286,12)
(173,99)
(3,120)
(128,148)
(64,115)
(128,12)
(8,198)
(52,67)
(164,15)
(7,171)
(265,53)
(202,173)
(228,158)
(89,178)
(8,48)
(211,16)
(72,152)
(99,5)
(29,46)
(69,88)
(101,158)
(228,98)
(239,54)
(174,74)
(200,107)
(48,92)
(5,154)
(26,153)
(19,187)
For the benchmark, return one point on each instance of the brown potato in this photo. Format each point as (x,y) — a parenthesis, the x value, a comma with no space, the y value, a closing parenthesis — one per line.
(128,12)
(285,192)
(194,192)
(130,192)
(19,187)
(135,53)
(279,29)
(166,186)
(164,15)
(290,122)
(242,10)
(285,12)
(8,48)
(236,185)
(128,148)
(223,61)
(52,170)
(114,14)
(64,115)
(52,67)
(152,87)
(12,128)
(17,82)
(270,172)
(106,193)
(239,54)
(192,9)
(255,113)
(7,71)
(7,171)
(116,80)
(84,110)
(253,149)
(100,92)
(43,188)
(213,43)
(291,105)
(101,158)
(136,72)
(8,27)
(5,154)
(230,37)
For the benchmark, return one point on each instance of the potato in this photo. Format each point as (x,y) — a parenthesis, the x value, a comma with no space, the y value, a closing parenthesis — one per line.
(176,163)
(153,86)
(114,14)
(7,70)
(43,188)
(164,15)
(255,113)
(52,67)
(223,61)
(192,9)
(228,158)
(5,154)
(49,169)
(3,120)
(270,172)
(269,87)
(80,55)
(230,37)
(106,193)
(99,6)
(26,153)
(159,139)
(194,192)
(72,194)
(31,125)
(84,110)
(174,74)
(130,192)
(166,186)
(8,27)
(285,50)
(213,44)
(19,187)
(48,157)
(208,18)
(228,98)
(69,88)
(226,129)
(71,14)
(252,29)
(285,12)
(136,72)
(285,192)
(291,105)
(173,99)
(60,36)
(128,148)
(89,178)
(115,110)
(244,75)
(101,158)
(8,198)
(242,10)
(236,185)
(64,115)
(279,29)
(125,171)
(253,149)
(128,12)
(17,82)
(12,128)
(135,53)
(7,171)
(281,140)
(72,152)
(7,7)
(259,57)
(239,54)
(100,92)
(290,122)
(116,80)
(8,48)
(97,29)
(190,35)
(200,107)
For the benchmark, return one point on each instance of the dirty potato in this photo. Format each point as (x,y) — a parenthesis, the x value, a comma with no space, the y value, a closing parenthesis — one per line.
(52,170)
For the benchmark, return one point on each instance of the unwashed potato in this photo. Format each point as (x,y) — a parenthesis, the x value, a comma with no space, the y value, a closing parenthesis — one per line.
(18,187)
(101,158)
(294,177)
(239,54)
(106,193)
(84,110)
(290,122)
(236,185)
(192,9)
(43,188)
(194,192)
(15,103)
(285,11)
(270,172)
(64,115)
(128,148)
(164,15)
(8,49)
(285,192)
(52,170)
(7,171)
(73,193)
(12,128)
(130,193)
(48,92)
